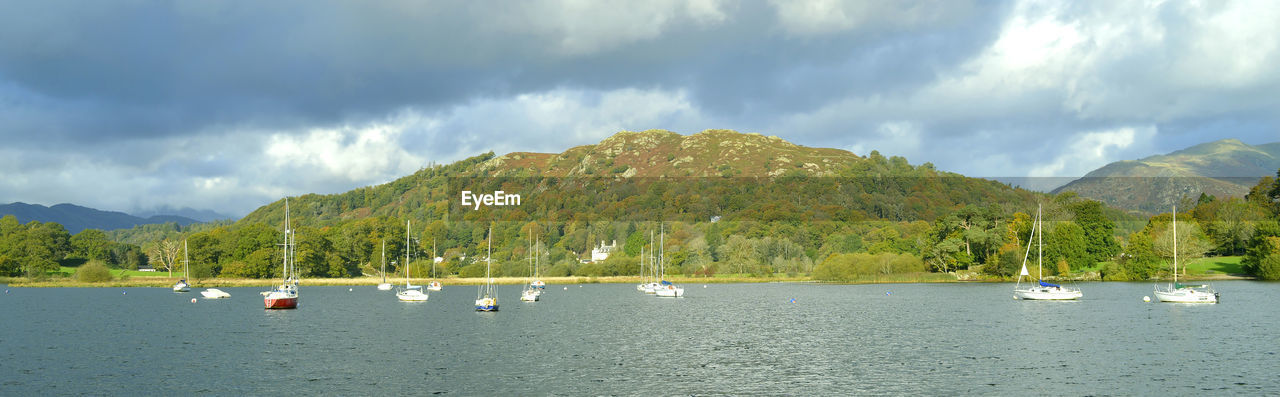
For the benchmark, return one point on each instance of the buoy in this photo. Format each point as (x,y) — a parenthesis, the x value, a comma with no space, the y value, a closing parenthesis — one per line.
(793,300)
(579,286)
(704,286)
(124,292)
(1146,299)
(193,300)
(348,289)
(566,288)
(887,293)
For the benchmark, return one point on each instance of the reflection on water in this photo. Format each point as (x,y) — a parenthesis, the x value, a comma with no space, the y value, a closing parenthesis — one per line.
(603,339)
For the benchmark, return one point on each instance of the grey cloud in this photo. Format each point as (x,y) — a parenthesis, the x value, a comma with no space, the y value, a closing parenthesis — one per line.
(156,92)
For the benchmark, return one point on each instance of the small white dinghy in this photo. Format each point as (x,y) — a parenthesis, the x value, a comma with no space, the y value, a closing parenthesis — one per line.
(214,293)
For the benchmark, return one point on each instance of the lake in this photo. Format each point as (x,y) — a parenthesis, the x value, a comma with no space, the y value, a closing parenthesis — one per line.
(935,339)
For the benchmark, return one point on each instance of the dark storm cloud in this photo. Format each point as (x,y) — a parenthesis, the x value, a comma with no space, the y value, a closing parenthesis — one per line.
(153,68)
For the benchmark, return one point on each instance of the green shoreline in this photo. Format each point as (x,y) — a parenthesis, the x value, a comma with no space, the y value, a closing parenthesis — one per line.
(166,282)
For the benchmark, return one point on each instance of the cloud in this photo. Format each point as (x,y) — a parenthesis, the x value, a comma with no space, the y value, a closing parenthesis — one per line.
(227,105)
(1086,151)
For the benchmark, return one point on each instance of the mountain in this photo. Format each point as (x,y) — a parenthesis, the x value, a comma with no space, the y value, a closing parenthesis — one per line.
(651,175)
(76,218)
(185,212)
(1222,168)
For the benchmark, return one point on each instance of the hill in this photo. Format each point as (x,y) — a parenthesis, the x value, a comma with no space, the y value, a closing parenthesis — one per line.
(655,174)
(1150,185)
(76,218)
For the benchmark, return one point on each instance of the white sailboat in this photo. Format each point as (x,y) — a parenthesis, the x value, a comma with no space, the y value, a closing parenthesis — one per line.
(641,287)
(486,299)
(1041,290)
(384,286)
(181,285)
(665,288)
(530,293)
(410,292)
(1178,293)
(650,285)
(285,295)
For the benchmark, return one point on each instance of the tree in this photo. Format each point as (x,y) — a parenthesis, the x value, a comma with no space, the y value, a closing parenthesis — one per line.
(1260,247)
(92,244)
(42,246)
(1066,242)
(1099,231)
(166,255)
(1268,268)
(1191,243)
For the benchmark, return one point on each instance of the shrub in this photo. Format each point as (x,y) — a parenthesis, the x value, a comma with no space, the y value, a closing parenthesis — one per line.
(93,272)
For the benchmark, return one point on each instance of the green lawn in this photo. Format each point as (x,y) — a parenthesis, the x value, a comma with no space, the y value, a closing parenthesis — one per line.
(1215,265)
(1209,265)
(70,271)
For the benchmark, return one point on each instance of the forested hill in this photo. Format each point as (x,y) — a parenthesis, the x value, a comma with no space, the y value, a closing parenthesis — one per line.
(1152,185)
(652,175)
(76,218)
(729,202)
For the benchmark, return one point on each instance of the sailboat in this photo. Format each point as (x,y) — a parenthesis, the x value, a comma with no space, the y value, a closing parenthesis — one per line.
(486,299)
(410,292)
(1041,290)
(182,285)
(650,287)
(666,288)
(530,293)
(434,285)
(385,286)
(285,295)
(1179,293)
(641,287)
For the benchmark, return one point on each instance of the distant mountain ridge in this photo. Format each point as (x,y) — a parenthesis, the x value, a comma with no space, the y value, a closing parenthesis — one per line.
(185,212)
(77,218)
(1221,168)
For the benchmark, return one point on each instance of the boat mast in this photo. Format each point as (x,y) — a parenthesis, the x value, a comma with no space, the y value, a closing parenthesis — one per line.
(285,265)
(662,260)
(1039,243)
(186,266)
(384,261)
(1175,246)
(406,254)
(488,262)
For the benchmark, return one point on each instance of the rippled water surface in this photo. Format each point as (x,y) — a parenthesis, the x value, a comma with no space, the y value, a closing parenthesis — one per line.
(937,339)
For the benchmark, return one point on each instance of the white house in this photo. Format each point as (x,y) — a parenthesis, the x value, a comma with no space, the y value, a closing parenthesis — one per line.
(599,254)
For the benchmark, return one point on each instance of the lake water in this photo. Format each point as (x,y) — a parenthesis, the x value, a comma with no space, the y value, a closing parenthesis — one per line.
(935,339)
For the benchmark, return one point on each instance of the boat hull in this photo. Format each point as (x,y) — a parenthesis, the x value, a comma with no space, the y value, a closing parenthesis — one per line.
(1047,294)
(486,305)
(384,287)
(280,303)
(214,294)
(529,297)
(434,286)
(675,292)
(1186,295)
(411,296)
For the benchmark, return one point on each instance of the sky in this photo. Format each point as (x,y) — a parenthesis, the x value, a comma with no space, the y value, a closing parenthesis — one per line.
(134,105)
